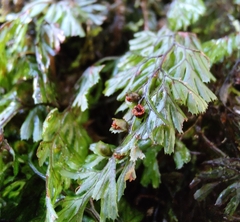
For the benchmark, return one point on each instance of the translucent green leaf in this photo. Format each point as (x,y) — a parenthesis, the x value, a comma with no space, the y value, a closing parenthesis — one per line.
(202,193)
(71,17)
(36,7)
(171,76)
(85,3)
(164,136)
(227,193)
(109,208)
(71,26)
(98,185)
(103,181)
(37,131)
(178,117)
(94,12)
(181,154)
(43,90)
(142,41)
(121,182)
(73,208)
(43,153)
(183,13)
(102,149)
(7,98)
(196,104)
(89,78)
(169,140)
(55,38)
(20,40)
(7,33)
(200,65)
(9,112)
(64,136)
(54,186)
(118,82)
(233,203)
(187,68)
(94,161)
(51,125)
(54,13)
(33,124)
(51,214)
(151,174)
(218,49)
(13,190)
(128,213)
(48,40)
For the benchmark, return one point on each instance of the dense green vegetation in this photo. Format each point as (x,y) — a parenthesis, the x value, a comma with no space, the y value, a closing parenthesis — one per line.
(119,110)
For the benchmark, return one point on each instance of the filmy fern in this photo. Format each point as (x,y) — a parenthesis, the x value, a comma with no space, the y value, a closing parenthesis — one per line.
(159,82)
(167,70)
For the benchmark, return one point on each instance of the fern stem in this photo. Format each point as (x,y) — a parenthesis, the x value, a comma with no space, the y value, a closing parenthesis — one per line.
(210,144)
(92,210)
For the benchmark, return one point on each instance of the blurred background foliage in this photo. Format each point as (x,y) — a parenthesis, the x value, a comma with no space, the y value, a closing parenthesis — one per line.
(107,112)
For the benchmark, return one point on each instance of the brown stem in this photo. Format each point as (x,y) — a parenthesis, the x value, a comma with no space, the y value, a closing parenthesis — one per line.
(210,144)
(145,13)
(92,210)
